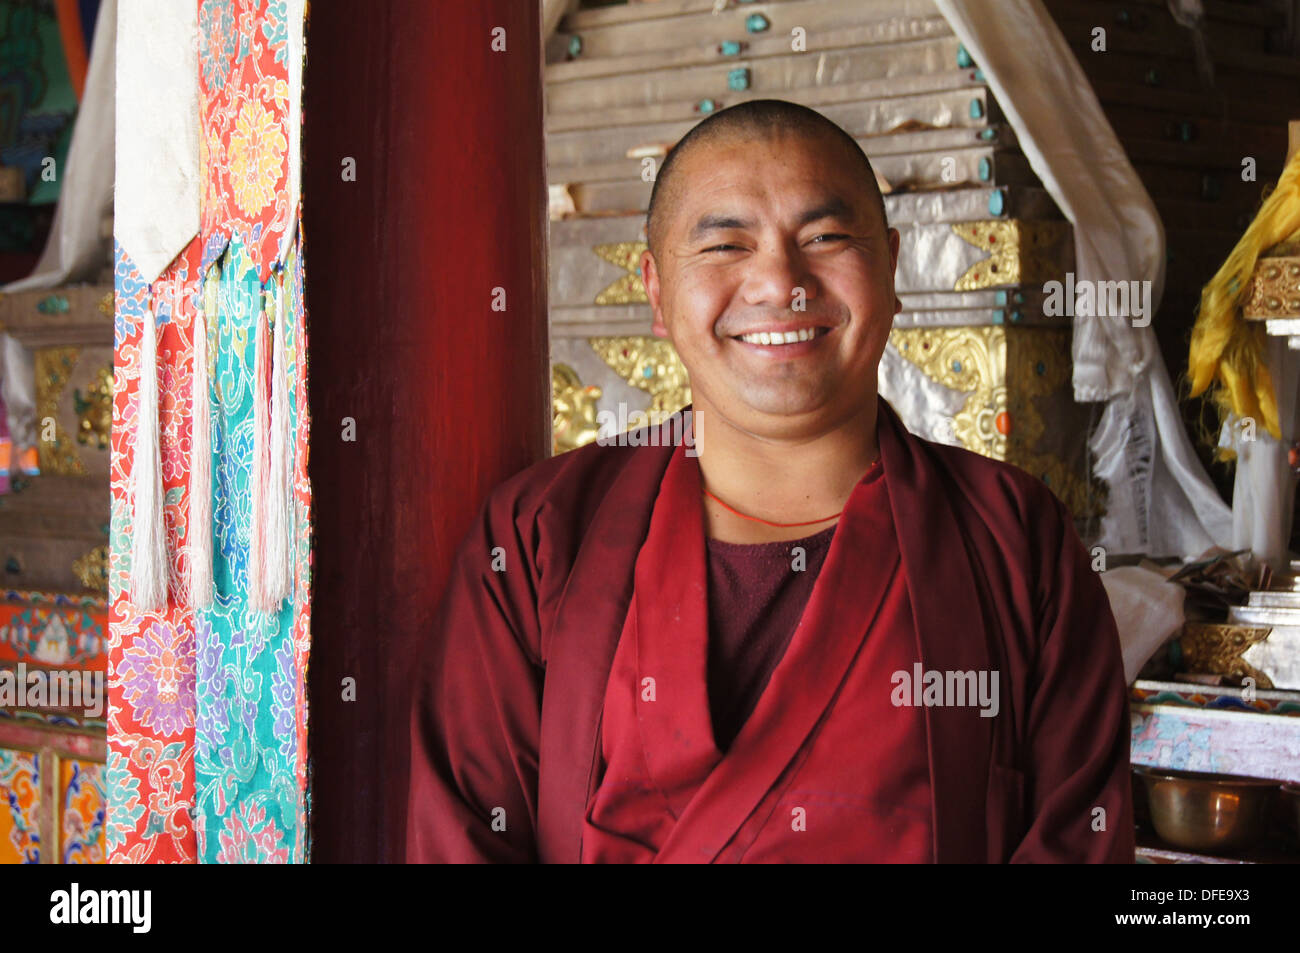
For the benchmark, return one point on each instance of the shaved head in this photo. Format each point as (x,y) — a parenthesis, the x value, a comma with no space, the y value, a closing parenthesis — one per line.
(758,118)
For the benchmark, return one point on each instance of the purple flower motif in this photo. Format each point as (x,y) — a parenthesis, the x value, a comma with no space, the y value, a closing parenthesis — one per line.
(156,671)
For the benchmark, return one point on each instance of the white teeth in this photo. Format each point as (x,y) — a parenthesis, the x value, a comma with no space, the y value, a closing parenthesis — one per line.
(778,338)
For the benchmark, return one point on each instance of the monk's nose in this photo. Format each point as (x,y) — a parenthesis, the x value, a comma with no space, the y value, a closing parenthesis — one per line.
(779,278)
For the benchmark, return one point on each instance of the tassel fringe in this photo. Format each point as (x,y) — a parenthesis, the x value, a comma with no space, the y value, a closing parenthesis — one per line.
(257,529)
(200,515)
(148,538)
(277,565)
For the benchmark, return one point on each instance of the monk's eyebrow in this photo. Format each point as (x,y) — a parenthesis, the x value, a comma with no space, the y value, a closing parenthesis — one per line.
(715,223)
(834,207)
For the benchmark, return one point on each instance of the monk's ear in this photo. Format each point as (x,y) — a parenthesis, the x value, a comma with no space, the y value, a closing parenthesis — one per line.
(650,278)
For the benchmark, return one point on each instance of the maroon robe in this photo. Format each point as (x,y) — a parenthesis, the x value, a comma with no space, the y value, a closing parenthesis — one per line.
(506,727)
(786,789)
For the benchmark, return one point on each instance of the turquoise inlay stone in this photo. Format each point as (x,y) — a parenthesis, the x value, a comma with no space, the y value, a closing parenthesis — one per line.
(1152,77)
(999,316)
(986,169)
(575,45)
(1015,317)
(1186,131)
(730,48)
(648,372)
(11,565)
(757,23)
(738,79)
(706,106)
(1019,298)
(976,109)
(1000,296)
(996,202)
(1176,653)
(1041,368)
(956,367)
(638,271)
(1046,480)
(963,58)
(54,304)
(979,75)
(987,134)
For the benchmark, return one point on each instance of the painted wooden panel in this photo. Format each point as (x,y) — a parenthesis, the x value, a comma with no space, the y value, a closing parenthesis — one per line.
(20,807)
(1222,742)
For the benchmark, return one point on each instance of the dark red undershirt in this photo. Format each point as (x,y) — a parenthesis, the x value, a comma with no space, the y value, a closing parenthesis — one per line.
(755,602)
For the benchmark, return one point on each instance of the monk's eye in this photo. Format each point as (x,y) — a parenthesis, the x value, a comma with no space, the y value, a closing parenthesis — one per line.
(830,237)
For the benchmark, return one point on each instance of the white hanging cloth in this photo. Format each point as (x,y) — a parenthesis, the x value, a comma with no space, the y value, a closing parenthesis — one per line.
(1160,502)
(156,212)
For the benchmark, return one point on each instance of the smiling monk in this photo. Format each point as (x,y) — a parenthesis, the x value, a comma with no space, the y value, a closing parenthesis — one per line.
(820,639)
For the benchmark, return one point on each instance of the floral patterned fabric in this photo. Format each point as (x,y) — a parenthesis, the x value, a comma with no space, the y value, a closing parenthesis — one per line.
(249,740)
(244,144)
(150,773)
(207,713)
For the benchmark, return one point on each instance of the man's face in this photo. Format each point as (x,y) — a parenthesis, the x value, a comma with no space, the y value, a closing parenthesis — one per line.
(773,236)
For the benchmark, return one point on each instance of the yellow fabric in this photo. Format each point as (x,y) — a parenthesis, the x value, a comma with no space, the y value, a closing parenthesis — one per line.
(1227,351)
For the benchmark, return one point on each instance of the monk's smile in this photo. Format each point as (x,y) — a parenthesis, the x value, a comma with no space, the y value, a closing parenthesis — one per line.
(773,278)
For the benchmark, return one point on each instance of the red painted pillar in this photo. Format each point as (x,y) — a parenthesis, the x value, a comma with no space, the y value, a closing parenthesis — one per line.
(448,396)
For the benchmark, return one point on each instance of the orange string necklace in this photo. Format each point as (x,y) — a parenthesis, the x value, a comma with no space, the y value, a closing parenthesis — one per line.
(759,519)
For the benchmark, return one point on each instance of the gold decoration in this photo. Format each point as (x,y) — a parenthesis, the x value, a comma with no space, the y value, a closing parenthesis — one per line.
(106,304)
(573,410)
(1274,289)
(997,421)
(54,366)
(628,289)
(652,365)
(1020,252)
(972,360)
(95,410)
(1216,649)
(91,569)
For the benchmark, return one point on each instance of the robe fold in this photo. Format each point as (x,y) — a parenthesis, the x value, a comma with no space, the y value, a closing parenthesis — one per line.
(519,684)
(785,789)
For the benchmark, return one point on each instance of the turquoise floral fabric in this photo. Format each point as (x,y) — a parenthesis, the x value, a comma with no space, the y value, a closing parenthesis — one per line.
(248,802)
